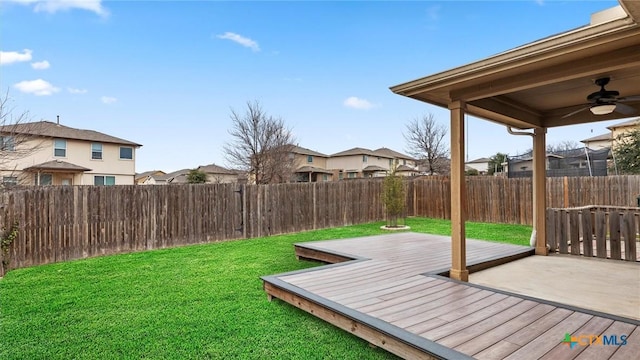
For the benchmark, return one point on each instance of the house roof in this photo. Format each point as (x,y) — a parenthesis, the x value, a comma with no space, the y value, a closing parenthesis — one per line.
(172,175)
(405,168)
(355,151)
(57,165)
(312,169)
(215,169)
(631,122)
(148,173)
(381,152)
(479,161)
(538,84)
(603,137)
(374,168)
(386,152)
(304,151)
(54,130)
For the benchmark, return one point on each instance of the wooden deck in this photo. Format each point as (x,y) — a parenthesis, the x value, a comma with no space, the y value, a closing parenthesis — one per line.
(390,290)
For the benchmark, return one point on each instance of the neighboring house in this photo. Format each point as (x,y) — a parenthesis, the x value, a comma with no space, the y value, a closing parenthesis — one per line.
(144,177)
(621,128)
(481,165)
(363,163)
(176,177)
(310,166)
(215,174)
(525,162)
(218,175)
(574,162)
(602,141)
(47,153)
(610,139)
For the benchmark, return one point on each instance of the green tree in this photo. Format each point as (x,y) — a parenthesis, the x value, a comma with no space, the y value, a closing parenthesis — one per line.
(471,172)
(393,197)
(627,152)
(495,163)
(196,176)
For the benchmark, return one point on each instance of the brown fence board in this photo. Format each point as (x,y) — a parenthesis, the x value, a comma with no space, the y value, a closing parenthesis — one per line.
(629,235)
(587,232)
(614,234)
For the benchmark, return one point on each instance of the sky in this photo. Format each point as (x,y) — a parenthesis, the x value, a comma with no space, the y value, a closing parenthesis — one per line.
(167,74)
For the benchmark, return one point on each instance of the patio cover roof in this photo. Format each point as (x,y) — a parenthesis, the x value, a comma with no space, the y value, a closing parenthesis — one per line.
(57,165)
(536,84)
(312,169)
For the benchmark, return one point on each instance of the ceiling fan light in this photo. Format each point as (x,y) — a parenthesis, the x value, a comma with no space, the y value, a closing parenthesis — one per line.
(603,109)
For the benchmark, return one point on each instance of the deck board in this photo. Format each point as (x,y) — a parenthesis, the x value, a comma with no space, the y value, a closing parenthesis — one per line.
(388,291)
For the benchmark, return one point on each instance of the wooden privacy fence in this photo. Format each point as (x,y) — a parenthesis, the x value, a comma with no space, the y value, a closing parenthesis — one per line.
(598,231)
(71,222)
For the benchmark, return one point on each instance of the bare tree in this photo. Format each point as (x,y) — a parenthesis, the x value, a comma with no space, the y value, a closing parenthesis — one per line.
(426,143)
(17,141)
(563,145)
(261,145)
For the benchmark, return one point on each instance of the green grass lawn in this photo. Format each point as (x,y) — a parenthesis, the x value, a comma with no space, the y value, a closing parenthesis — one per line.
(193,302)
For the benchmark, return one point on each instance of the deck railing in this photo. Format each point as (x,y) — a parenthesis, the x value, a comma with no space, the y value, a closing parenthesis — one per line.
(595,231)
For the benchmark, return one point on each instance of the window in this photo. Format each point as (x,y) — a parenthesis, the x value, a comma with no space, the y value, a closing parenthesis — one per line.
(404,162)
(7,143)
(351,175)
(96,151)
(309,158)
(340,175)
(9,180)
(325,177)
(365,158)
(43,179)
(126,153)
(104,180)
(390,162)
(60,148)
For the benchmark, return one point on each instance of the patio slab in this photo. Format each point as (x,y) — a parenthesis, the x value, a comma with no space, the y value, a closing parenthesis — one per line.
(609,286)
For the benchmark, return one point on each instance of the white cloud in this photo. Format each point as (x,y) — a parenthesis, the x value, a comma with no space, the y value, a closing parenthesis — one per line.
(357,103)
(8,57)
(108,100)
(53,6)
(76,91)
(433,13)
(246,42)
(36,87)
(41,65)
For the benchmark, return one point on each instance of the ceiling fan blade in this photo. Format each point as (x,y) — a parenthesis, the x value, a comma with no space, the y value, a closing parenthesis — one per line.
(629,98)
(625,109)
(575,112)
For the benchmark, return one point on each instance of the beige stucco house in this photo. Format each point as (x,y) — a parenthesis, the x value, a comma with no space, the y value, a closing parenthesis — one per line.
(310,166)
(144,178)
(48,153)
(609,139)
(362,163)
(481,165)
(598,142)
(218,174)
(618,130)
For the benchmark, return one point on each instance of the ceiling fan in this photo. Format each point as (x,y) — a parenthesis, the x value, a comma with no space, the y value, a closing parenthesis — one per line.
(605,101)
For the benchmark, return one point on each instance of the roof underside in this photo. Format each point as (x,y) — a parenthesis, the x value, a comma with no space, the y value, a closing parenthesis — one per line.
(537,84)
